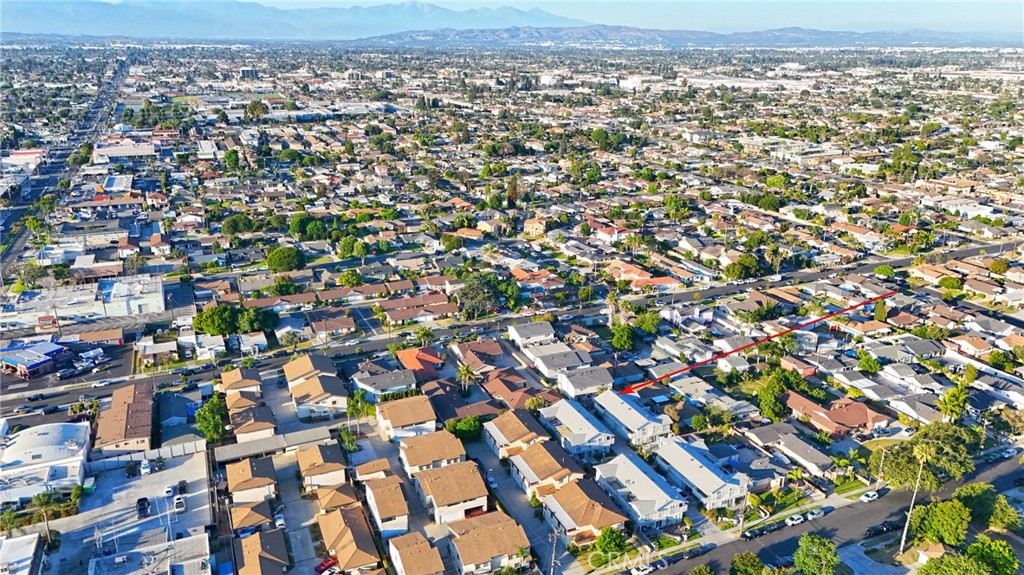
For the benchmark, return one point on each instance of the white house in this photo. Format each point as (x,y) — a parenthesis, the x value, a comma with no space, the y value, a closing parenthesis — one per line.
(452,492)
(690,465)
(321,466)
(578,431)
(406,417)
(387,505)
(641,492)
(534,333)
(320,396)
(632,420)
(435,449)
(487,543)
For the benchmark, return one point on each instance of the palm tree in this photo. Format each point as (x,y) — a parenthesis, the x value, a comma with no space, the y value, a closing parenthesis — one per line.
(424,336)
(8,520)
(465,375)
(44,503)
(923,452)
(796,475)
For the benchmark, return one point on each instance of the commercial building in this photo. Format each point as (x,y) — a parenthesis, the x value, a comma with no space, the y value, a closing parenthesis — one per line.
(42,458)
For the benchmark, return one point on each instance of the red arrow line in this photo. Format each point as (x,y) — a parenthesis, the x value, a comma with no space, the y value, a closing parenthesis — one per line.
(641,385)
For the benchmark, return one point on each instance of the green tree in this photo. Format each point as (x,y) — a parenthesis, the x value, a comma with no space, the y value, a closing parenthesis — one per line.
(585,293)
(769,397)
(253,319)
(350,278)
(44,504)
(451,242)
(953,403)
(466,429)
(648,322)
(941,522)
(816,555)
(291,339)
(881,312)
(868,364)
(286,258)
(902,460)
(996,554)
(231,159)
(465,375)
(951,283)
(221,319)
(424,336)
(702,569)
(535,404)
(1004,516)
(998,266)
(360,250)
(210,418)
(237,224)
(479,293)
(980,498)
(622,336)
(746,563)
(611,540)
(954,564)
(885,270)
(257,109)
(8,521)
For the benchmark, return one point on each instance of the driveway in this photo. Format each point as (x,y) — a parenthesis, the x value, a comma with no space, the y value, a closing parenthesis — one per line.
(517,505)
(298,513)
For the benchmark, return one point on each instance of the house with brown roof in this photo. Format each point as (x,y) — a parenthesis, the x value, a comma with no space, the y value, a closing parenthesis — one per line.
(336,497)
(306,367)
(321,465)
(387,505)
(412,554)
(579,511)
(251,480)
(543,467)
(373,469)
(406,417)
(322,395)
(844,416)
(249,516)
(435,449)
(422,361)
(261,553)
(512,432)
(480,355)
(488,542)
(253,423)
(452,492)
(127,426)
(348,538)
(241,379)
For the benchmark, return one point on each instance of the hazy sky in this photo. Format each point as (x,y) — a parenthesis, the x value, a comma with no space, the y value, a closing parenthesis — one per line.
(1004,16)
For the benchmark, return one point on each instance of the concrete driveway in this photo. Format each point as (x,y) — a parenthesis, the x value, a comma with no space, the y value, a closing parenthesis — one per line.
(854,557)
(298,513)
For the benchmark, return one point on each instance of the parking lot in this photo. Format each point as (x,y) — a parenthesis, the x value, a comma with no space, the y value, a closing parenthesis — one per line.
(108,519)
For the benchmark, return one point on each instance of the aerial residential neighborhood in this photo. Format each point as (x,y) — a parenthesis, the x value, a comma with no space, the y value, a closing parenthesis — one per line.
(530,298)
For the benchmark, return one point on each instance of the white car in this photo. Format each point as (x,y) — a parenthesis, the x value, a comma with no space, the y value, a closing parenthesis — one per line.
(169,491)
(279,521)
(179,504)
(642,570)
(869,496)
(794,520)
(814,514)
(102,383)
(144,467)
(659,302)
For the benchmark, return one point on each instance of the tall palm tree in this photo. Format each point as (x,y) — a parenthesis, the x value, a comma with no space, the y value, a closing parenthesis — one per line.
(465,375)
(44,503)
(796,475)
(923,452)
(424,336)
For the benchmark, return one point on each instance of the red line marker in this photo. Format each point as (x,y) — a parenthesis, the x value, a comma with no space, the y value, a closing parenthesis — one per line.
(641,385)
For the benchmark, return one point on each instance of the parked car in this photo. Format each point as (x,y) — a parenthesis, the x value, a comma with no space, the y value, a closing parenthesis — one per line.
(35,397)
(24,409)
(794,520)
(169,491)
(491,482)
(885,527)
(179,504)
(773,527)
(142,507)
(325,564)
(279,521)
(102,383)
(869,496)
(144,467)
(815,514)
(86,397)
(183,486)
(49,409)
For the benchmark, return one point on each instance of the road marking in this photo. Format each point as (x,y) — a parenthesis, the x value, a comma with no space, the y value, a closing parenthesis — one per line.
(17,386)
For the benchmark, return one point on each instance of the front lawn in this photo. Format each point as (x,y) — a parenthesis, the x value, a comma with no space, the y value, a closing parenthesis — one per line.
(849,486)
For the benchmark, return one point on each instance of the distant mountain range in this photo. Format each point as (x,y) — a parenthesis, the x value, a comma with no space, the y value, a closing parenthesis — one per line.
(412,24)
(225,20)
(595,36)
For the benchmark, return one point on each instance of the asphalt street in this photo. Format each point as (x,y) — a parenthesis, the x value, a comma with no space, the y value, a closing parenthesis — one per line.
(845,525)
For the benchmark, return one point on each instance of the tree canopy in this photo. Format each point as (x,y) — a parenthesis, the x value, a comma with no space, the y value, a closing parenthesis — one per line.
(816,555)
(285,259)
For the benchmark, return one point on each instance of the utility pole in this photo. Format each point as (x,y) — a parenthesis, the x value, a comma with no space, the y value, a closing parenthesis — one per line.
(554,548)
(913,499)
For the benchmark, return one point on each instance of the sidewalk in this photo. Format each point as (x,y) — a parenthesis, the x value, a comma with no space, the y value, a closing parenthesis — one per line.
(729,535)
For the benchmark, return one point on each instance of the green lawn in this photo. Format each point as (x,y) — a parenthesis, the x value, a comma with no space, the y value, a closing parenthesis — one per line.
(849,486)
(875,444)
